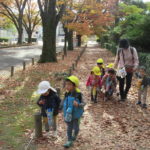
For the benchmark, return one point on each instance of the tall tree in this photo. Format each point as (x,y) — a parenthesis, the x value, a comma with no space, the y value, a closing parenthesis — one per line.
(7,9)
(31,18)
(51,12)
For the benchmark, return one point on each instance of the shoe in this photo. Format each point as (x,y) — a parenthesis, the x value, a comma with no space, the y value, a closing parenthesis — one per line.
(138,103)
(48,134)
(122,100)
(54,134)
(68,144)
(92,99)
(95,101)
(125,96)
(105,99)
(144,106)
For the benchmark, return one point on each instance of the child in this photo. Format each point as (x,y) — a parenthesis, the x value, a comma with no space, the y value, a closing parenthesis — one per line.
(49,103)
(109,82)
(100,64)
(143,82)
(94,81)
(72,108)
(110,66)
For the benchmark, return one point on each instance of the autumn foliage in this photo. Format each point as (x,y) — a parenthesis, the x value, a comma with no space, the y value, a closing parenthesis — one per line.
(89,17)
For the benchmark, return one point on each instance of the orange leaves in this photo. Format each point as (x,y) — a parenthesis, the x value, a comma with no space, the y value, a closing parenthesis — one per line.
(90,17)
(80,28)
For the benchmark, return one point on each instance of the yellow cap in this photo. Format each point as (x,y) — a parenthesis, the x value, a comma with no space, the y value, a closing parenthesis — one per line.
(96,70)
(74,79)
(111,65)
(100,61)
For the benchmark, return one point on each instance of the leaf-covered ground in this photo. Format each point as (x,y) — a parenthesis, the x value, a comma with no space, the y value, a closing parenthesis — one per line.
(110,125)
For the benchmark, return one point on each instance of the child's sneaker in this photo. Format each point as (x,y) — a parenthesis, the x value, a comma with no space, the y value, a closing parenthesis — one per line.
(144,106)
(68,144)
(54,134)
(105,98)
(138,103)
(48,134)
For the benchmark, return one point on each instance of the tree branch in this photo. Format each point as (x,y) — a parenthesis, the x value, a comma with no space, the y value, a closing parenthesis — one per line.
(60,14)
(40,7)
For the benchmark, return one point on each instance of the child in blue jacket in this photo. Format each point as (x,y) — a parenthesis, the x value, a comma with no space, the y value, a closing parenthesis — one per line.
(73,109)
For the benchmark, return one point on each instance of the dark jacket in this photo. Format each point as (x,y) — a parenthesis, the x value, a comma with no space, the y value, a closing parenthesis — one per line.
(50,101)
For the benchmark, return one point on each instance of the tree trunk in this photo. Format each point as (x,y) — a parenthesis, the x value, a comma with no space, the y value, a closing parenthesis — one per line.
(20,28)
(49,43)
(79,40)
(29,37)
(65,41)
(70,40)
(20,34)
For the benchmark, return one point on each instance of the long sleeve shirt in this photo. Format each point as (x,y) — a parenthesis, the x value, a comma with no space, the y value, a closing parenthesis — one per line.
(127,58)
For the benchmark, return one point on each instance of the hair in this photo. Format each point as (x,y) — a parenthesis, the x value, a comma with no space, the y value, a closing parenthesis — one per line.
(111,71)
(67,80)
(142,68)
(124,43)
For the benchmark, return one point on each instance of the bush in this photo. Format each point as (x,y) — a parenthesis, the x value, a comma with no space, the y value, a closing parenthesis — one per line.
(111,46)
(33,39)
(144,59)
(4,39)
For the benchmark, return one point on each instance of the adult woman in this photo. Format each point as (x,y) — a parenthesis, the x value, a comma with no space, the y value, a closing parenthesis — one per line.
(126,58)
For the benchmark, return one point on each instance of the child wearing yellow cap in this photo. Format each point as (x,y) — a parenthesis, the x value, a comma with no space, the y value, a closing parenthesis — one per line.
(100,64)
(73,109)
(94,82)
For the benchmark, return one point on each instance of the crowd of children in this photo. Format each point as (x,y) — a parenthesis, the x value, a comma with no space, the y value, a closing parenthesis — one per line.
(102,80)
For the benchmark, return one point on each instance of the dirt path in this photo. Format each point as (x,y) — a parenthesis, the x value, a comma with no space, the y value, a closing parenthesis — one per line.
(106,125)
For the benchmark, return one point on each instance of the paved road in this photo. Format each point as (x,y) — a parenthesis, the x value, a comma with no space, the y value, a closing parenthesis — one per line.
(15,56)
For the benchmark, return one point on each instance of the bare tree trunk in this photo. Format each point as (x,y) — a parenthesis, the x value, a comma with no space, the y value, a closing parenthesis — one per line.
(50,18)
(49,44)
(70,40)
(65,41)
(79,40)
(30,37)
(20,34)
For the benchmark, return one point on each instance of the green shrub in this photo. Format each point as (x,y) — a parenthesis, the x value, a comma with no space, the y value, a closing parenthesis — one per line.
(33,39)
(111,46)
(4,39)
(144,59)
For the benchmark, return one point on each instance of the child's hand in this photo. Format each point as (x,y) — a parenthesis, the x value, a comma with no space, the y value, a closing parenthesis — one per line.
(75,104)
(41,102)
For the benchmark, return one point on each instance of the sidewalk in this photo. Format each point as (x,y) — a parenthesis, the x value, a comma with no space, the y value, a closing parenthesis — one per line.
(106,125)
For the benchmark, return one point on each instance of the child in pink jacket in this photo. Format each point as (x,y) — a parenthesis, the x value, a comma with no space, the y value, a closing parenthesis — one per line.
(94,81)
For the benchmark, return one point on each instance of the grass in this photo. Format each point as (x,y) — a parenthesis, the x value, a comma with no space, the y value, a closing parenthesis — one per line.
(18,105)
(16,112)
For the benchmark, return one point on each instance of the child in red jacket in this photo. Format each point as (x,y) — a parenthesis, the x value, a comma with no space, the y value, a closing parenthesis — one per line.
(94,81)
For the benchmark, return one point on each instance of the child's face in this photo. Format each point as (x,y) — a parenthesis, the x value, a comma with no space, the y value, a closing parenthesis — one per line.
(46,93)
(69,86)
(100,65)
(111,75)
(142,72)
